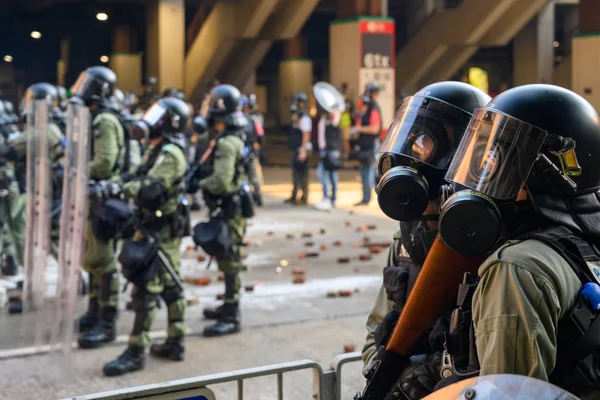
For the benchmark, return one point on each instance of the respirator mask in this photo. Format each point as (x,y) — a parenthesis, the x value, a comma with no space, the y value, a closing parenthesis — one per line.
(414,156)
(489,169)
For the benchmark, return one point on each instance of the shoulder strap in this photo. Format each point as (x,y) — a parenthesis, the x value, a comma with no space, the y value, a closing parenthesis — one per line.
(575,250)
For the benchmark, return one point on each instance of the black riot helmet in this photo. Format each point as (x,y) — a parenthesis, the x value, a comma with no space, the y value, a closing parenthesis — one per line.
(94,84)
(168,116)
(63,97)
(298,101)
(252,102)
(419,145)
(371,89)
(8,107)
(541,137)
(223,107)
(172,92)
(200,125)
(38,91)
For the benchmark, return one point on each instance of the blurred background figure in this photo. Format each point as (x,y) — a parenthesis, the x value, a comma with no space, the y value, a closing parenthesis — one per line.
(367,139)
(346,121)
(253,144)
(299,142)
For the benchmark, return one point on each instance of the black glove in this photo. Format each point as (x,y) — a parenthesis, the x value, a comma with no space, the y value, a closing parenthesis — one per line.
(395,281)
(418,380)
(385,328)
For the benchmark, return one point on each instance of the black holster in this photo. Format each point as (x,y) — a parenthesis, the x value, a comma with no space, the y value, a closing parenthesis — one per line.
(213,237)
(110,218)
(139,261)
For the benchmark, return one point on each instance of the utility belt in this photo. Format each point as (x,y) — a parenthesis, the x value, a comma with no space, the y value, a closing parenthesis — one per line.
(239,204)
(178,221)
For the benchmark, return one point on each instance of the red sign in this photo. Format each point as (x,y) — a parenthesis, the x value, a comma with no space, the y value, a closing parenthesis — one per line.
(375,26)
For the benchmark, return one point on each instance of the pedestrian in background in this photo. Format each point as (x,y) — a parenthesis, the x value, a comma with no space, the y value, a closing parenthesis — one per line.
(329,139)
(368,139)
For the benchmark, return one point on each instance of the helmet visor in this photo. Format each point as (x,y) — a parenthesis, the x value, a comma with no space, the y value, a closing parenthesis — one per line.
(426,130)
(154,114)
(496,154)
(83,87)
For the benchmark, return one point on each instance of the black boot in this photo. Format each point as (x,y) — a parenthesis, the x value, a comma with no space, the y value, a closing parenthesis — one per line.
(171,349)
(213,312)
(228,323)
(103,332)
(10,266)
(131,360)
(90,318)
(15,305)
(257,198)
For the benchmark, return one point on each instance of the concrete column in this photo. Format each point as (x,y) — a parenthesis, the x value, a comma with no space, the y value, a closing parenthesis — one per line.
(123,39)
(295,75)
(585,76)
(533,52)
(63,62)
(165,51)
(361,50)
(125,60)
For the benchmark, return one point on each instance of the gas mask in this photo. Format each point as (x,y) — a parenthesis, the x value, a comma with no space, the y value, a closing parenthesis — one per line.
(293,108)
(491,166)
(415,154)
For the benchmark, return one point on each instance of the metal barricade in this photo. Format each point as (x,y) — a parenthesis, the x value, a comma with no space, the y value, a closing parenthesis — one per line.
(198,387)
(327,385)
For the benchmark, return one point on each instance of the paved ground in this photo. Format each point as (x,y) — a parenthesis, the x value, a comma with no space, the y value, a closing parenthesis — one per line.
(282,321)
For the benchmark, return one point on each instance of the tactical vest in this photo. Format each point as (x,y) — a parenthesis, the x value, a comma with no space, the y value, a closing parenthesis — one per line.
(295,139)
(333,137)
(149,163)
(577,366)
(367,142)
(213,201)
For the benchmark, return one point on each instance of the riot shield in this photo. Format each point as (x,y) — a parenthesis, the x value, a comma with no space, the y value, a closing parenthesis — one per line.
(38,207)
(501,387)
(72,223)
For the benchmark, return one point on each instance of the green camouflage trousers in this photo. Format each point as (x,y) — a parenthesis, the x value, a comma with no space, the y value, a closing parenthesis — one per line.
(145,300)
(12,237)
(100,262)
(231,264)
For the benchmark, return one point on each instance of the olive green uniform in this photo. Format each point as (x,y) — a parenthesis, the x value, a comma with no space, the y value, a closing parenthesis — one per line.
(526,287)
(56,153)
(99,257)
(382,307)
(229,152)
(12,210)
(169,168)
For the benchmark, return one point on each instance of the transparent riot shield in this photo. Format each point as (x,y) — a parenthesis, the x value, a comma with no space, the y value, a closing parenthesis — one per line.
(38,208)
(501,387)
(72,224)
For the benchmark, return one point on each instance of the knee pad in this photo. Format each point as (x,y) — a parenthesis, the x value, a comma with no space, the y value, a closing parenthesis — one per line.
(171,295)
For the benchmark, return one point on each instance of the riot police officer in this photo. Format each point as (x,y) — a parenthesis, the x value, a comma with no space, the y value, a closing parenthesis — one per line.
(301,146)
(254,135)
(367,139)
(412,161)
(94,87)
(220,192)
(163,220)
(528,167)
